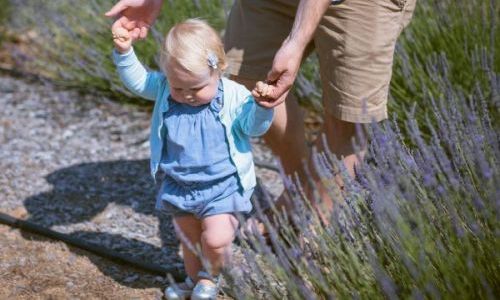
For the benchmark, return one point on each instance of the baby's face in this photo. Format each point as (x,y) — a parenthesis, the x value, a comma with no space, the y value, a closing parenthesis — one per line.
(194,90)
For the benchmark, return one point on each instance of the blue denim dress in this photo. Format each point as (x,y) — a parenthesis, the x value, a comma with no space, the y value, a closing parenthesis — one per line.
(199,176)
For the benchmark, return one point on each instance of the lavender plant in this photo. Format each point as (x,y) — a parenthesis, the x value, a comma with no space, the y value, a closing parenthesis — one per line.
(420,221)
(448,40)
(71,41)
(71,46)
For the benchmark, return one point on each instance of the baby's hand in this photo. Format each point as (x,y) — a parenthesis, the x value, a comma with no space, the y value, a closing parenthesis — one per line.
(261,91)
(122,39)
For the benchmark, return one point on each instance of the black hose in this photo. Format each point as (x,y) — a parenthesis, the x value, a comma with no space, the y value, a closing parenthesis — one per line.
(6,219)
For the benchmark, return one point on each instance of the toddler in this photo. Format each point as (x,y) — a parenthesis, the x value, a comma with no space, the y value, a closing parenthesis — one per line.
(199,142)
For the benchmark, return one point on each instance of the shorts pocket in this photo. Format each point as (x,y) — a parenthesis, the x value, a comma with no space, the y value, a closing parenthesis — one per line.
(399,3)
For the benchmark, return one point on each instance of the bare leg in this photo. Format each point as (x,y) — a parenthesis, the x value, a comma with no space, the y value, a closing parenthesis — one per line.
(216,238)
(286,138)
(340,136)
(190,228)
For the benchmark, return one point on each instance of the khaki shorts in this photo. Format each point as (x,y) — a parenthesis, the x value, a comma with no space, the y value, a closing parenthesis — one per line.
(355,42)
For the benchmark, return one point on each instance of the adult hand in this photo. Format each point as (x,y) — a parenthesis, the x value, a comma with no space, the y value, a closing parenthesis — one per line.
(136,16)
(280,79)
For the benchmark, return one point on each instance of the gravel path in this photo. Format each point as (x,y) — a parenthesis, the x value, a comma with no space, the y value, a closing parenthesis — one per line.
(79,164)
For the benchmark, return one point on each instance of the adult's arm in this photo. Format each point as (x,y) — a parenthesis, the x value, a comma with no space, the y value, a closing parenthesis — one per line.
(137,16)
(287,60)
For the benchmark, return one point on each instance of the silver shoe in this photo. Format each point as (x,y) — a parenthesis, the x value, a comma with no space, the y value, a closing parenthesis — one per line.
(180,291)
(205,292)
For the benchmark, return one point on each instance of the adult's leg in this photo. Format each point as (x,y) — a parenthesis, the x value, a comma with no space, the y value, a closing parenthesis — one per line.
(218,232)
(341,137)
(189,231)
(255,31)
(355,42)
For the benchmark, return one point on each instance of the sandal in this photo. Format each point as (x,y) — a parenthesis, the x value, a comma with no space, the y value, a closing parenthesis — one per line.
(206,292)
(180,291)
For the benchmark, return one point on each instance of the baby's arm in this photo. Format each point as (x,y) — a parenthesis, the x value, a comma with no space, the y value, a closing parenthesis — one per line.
(132,73)
(254,120)
(135,77)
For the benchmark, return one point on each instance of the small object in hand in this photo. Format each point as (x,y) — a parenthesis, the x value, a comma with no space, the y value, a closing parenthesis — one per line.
(121,34)
(263,88)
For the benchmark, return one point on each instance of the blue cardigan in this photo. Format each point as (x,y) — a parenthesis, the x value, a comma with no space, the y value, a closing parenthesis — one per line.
(240,115)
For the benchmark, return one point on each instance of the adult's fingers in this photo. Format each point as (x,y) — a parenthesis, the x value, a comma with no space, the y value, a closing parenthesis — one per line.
(143,29)
(277,92)
(270,103)
(280,84)
(116,10)
(273,75)
(143,32)
(121,22)
(135,33)
(267,104)
(259,99)
(130,26)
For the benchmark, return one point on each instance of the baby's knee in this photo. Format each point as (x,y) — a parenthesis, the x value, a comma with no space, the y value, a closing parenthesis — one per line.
(215,239)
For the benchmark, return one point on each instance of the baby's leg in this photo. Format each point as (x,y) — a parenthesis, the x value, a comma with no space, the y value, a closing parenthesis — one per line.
(218,233)
(190,229)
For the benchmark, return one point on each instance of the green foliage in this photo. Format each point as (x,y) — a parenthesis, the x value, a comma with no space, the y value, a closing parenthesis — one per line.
(73,44)
(4,14)
(456,40)
(174,11)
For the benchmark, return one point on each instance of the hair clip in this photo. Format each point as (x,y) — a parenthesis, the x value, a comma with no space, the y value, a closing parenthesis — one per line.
(212,60)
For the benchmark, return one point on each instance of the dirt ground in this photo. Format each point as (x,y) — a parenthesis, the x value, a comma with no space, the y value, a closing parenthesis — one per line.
(32,267)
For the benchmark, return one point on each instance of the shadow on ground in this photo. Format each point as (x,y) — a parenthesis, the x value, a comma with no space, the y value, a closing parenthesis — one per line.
(110,204)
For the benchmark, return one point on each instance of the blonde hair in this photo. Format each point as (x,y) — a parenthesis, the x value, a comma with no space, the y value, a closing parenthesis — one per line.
(191,43)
